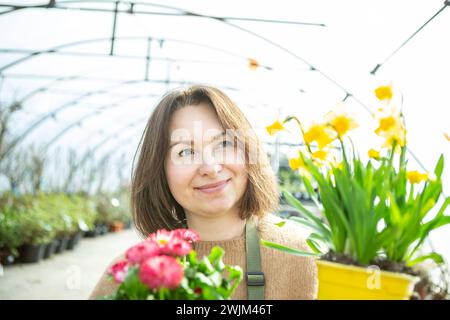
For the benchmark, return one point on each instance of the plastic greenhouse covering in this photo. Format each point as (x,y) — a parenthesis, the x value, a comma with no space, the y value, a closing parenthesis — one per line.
(85,75)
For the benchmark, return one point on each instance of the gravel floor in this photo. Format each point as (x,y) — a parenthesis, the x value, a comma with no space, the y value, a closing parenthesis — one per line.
(66,276)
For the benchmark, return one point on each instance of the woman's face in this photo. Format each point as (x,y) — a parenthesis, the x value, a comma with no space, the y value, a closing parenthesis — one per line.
(200,155)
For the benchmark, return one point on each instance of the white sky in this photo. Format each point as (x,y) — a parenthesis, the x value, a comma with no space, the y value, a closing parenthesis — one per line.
(359,34)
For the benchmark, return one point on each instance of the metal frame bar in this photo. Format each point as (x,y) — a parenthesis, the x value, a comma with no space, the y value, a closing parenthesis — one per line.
(179,11)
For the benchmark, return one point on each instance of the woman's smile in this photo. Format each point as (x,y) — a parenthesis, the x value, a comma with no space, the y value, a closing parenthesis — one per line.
(213,188)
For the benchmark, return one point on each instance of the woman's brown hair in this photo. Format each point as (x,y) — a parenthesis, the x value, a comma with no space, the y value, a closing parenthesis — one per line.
(152,203)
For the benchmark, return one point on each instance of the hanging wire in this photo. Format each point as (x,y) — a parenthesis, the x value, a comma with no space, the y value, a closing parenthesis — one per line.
(378,66)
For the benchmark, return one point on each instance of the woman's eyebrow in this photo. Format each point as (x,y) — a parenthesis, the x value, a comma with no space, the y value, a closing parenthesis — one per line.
(217,136)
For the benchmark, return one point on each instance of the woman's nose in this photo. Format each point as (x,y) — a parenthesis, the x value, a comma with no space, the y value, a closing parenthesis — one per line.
(209,165)
(210,169)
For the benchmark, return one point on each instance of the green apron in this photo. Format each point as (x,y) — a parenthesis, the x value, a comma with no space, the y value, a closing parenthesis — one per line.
(254,276)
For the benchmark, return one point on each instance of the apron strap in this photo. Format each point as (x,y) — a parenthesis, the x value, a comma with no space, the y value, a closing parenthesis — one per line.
(254,276)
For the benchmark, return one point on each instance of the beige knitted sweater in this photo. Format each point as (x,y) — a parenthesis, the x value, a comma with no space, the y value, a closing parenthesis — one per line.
(287,276)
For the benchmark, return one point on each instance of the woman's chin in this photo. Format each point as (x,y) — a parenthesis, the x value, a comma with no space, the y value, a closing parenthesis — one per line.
(216,210)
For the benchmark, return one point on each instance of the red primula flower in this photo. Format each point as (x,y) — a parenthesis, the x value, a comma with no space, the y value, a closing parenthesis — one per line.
(174,243)
(142,251)
(177,248)
(161,272)
(118,271)
(187,235)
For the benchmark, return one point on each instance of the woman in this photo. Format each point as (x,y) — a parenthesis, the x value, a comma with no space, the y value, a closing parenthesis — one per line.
(201,166)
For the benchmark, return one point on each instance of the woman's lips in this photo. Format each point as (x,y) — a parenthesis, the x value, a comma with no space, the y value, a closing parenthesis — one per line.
(215,187)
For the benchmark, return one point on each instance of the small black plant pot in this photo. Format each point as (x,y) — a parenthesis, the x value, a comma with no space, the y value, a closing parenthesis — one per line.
(73,241)
(62,244)
(90,233)
(6,257)
(104,228)
(50,249)
(98,230)
(30,253)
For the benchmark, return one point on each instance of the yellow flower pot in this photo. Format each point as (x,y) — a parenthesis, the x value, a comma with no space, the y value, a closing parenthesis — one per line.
(346,282)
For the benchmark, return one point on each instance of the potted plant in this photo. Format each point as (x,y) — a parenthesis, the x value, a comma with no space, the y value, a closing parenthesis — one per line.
(88,210)
(166,267)
(374,215)
(50,249)
(35,232)
(52,207)
(116,226)
(79,226)
(10,238)
(15,240)
(105,214)
(120,210)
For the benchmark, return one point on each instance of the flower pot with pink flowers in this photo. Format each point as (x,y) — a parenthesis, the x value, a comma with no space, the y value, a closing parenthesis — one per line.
(165,267)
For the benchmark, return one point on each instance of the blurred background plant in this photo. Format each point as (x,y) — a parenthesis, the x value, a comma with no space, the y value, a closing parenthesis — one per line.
(47,211)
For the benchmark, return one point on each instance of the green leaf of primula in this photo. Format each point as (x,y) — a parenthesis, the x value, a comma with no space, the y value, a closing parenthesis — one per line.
(215,257)
(133,287)
(206,266)
(216,279)
(203,279)
(192,257)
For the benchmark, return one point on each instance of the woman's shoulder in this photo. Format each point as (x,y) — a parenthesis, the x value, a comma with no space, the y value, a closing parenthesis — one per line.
(105,286)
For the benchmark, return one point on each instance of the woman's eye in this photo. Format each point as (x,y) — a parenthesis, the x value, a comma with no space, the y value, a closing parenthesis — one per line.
(226,143)
(183,152)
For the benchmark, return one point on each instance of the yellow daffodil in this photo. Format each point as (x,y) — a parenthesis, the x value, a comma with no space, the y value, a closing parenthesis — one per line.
(447,136)
(319,133)
(384,93)
(387,123)
(253,64)
(416,177)
(341,123)
(320,155)
(392,129)
(374,154)
(275,127)
(298,164)
(397,137)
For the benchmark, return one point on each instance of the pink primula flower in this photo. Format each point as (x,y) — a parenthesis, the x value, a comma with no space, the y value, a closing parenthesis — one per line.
(187,235)
(174,243)
(161,237)
(177,248)
(142,251)
(118,271)
(161,272)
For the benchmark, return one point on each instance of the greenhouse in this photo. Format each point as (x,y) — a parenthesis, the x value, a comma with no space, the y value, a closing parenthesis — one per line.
(226,150)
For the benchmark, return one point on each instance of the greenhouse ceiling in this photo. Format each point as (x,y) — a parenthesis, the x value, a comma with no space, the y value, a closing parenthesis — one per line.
(86,74)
